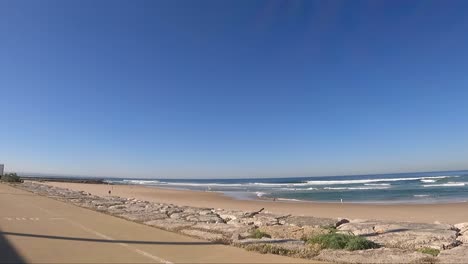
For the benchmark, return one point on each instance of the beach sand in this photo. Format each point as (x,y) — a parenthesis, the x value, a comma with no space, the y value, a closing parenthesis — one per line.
(424,213)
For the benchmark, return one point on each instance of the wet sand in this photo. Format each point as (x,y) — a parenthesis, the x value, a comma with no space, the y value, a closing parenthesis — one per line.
(424,213)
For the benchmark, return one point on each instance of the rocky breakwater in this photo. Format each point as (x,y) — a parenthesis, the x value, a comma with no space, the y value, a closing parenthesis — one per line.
(335,240)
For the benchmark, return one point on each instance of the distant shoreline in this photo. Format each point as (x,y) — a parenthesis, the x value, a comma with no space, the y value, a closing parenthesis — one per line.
(64,179)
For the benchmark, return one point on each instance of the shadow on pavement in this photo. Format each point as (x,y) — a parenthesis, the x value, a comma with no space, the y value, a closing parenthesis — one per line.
(106,240)
(8,253)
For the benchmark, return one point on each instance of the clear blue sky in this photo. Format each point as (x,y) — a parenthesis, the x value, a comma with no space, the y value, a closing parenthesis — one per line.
(238,88)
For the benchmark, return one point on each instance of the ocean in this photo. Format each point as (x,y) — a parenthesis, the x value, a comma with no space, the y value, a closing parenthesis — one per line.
(426,187)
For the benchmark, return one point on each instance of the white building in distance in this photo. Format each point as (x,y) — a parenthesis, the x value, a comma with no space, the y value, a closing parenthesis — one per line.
(1,169)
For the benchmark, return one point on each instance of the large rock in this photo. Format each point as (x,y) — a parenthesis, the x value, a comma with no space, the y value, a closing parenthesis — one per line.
(463,238)
(404,235)
(204,235)
(309,221)
(209,218)
(106,203)
(463,227)
(269,241)
(264,219)
(380,255)
(143,217)
(225,229)
(170,224)
(454,255)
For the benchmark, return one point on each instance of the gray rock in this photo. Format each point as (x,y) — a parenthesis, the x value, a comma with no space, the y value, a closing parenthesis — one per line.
(203,235)
(404,235)
(463,238)
(455,255)
(143,217)
(463,227)
(169,224)
(204,218)
(230,232)
(264,219)
(341,222)
(105,203)
(309,221)
(380,255)
(269,241)
(118,207)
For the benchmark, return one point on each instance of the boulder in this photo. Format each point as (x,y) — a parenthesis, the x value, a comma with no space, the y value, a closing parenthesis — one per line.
(292,232)
(463,227)
(263,219)
(309,221)
(404,235)
(225,229)
(358,229)
(143,216)
(169,224)
(463,238)
(269,241)
(212,218)
(454,255)
(203,235)
(380,255)
(341,221)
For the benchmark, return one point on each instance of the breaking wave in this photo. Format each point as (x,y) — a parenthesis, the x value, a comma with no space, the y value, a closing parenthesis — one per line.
(375,180)
(356,188)
(449,184)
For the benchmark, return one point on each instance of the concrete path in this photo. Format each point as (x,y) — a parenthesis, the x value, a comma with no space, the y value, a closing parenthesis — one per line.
(36,229)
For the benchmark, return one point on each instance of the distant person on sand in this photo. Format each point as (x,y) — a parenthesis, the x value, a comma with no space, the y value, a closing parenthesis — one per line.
(109,192)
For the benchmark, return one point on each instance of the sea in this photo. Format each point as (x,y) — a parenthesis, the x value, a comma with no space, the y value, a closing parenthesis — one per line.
(423,187)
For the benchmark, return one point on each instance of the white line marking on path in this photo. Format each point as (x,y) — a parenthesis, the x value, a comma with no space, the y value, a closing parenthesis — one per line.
(136,250)
(141,252)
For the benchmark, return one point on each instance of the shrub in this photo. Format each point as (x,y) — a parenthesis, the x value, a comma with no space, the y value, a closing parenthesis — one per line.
(10,177)
(430,251)
(256,233)
(330,228)
(306,252)
(342,241)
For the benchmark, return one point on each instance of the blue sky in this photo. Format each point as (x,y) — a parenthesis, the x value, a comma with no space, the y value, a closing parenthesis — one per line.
(181,89)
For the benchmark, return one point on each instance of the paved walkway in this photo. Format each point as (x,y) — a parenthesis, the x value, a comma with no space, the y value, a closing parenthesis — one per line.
(36,229)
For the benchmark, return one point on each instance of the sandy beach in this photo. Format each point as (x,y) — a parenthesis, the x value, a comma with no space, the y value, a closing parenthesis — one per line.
(424,213)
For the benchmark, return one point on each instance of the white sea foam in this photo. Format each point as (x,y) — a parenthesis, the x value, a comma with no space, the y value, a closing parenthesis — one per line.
(374,180)
(380,183)
(421,195)
(141,181)
(448,184)
(356,188)
(203,184)
(428,180)
(285,199)
(260,194)
(277,184)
